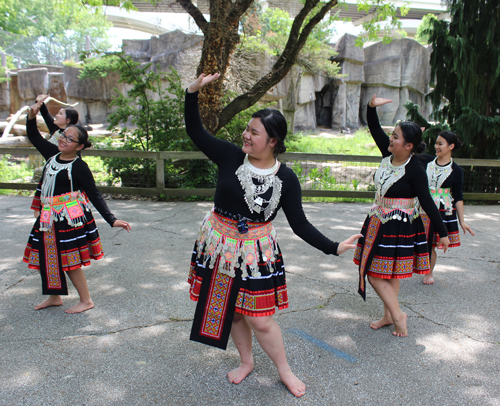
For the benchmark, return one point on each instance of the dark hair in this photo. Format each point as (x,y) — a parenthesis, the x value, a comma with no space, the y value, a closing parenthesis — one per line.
(451,138)
(71,114)
(275,124)
(83,136)
(413,134)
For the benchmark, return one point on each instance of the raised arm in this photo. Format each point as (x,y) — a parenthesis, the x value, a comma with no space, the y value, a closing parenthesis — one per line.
(49,120)
(46,148)
(213,147)
(378,134)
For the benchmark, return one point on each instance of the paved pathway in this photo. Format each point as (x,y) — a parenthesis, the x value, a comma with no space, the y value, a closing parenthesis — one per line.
(133,348)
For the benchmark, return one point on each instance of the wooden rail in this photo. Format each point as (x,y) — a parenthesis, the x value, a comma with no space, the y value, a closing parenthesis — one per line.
(160,158)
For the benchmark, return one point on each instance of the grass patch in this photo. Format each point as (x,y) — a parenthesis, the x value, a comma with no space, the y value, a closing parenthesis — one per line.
(359,143)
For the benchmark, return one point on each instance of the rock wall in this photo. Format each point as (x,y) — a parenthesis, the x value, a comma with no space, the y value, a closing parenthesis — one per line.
(399,70)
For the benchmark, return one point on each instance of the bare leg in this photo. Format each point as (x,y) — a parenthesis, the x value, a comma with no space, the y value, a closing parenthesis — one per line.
(387,290)
(80,282)
(242,337)
(53,300)
(429,278)
(269,336)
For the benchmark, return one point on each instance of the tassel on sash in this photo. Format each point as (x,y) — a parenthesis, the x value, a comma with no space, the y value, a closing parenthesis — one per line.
(443,196)
(219,237)
(68,207)
(386,208)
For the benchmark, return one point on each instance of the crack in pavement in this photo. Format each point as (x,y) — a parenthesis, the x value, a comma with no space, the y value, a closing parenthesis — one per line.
(420,315)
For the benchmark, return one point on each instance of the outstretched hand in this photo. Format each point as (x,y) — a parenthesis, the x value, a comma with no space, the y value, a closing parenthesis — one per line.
(466,228)
(348,244)
(201,82)
(122,224)
(443,244)
(378,101)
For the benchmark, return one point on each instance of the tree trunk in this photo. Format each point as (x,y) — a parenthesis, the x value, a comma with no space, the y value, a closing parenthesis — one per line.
(221,37)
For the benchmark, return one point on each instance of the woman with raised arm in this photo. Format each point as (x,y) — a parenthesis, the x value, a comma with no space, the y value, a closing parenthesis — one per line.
(445,179)
(65,117)
(393,245)
(237,274)
(64,236)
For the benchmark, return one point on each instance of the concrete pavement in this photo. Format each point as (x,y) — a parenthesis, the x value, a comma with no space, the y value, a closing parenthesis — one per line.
(133,348)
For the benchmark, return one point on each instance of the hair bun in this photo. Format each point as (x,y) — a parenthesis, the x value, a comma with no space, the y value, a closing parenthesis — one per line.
(421,148)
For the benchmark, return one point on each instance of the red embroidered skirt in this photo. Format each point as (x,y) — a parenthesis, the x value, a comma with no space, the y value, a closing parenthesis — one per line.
(391,249)
(61,249)
(257,288)
(451,223)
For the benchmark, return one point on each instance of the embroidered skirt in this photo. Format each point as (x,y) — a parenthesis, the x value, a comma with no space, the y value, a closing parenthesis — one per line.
(61,248)
(233,272)
(393,244)
(443,200)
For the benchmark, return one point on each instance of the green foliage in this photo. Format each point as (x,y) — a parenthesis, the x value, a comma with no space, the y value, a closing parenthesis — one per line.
(97,67)
(51,31)
(422,34)
(268,32)
(153,108)
(465,69)
(385,23)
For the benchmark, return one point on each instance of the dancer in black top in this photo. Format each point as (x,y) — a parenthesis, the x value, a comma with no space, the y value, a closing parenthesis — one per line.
(393,245)
(65,117)
(445,179)
(237,273)
(64,236)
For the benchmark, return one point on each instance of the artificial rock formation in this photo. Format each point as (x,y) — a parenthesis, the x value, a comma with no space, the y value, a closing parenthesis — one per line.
(399,70)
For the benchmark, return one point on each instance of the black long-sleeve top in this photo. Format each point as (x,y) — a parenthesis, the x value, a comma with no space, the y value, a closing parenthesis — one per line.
(455,181)
(49,120)
(229,194)
(414,181)
(80,173)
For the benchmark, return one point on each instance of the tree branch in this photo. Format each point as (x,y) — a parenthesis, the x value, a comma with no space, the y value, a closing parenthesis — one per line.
(238,9)
(194,12)
(286,60)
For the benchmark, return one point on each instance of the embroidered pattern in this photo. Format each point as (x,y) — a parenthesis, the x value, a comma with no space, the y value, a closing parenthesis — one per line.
(219,238)
(385,209)
(388,174)
(215,313)
(371,234)
(69,206)
(51,260)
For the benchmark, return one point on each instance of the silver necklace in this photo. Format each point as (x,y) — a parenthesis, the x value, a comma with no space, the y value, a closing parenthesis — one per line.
(255,182)
(52,168)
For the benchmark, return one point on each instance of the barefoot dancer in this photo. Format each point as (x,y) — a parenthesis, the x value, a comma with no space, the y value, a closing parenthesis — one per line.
(445,179)
(65,236)
(237,273)
(393,245)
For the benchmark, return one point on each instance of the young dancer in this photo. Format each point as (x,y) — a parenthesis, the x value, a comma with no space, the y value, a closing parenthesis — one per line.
(445,179)
(237,273)
(393,245)
(65,117)
(64,236)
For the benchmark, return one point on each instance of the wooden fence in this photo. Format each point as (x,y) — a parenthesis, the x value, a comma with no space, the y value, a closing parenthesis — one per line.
(160,158)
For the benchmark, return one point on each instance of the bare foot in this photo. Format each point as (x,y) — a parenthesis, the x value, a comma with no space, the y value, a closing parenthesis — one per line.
(80,307)
(429,279)
(51,301)
(384,321)
(294,384)
(400,324)
(240,373)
